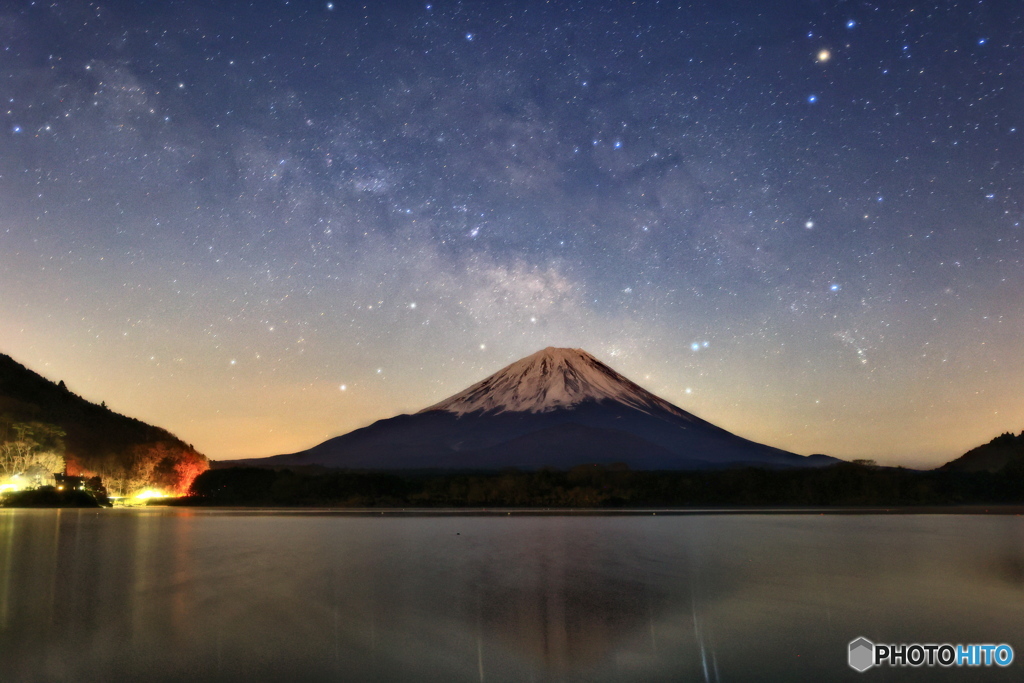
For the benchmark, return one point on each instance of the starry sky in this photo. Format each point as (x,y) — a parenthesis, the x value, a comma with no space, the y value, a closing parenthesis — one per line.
(261,224)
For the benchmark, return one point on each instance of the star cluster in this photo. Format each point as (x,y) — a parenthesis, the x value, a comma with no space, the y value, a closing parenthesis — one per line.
(262,224)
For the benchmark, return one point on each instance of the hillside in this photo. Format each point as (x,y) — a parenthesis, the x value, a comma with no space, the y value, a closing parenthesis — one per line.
(991,457)
(126,452)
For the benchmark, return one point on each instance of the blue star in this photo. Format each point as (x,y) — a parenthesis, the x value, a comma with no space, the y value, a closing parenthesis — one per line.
(812,98)
(851,23)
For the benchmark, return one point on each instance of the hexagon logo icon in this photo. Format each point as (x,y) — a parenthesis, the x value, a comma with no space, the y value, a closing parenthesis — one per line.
(862,654)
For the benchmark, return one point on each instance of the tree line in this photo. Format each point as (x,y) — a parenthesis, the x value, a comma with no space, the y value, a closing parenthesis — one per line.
(844,484)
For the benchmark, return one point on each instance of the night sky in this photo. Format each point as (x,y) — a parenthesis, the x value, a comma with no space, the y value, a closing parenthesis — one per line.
(262,224)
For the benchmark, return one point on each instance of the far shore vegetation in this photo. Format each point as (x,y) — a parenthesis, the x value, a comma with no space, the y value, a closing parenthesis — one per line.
(593,486)
(34,473)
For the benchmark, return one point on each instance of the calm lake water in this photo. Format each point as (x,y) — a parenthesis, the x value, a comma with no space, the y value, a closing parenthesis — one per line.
(197,595)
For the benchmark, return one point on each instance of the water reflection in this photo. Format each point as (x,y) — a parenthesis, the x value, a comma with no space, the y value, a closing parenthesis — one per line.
(174,595)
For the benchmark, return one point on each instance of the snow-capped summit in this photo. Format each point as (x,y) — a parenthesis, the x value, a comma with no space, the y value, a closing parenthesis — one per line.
(549,380)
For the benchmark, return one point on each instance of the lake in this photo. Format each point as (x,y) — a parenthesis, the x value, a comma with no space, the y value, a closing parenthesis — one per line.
(168,594)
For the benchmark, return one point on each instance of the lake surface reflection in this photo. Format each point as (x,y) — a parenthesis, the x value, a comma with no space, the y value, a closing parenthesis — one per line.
(197,595)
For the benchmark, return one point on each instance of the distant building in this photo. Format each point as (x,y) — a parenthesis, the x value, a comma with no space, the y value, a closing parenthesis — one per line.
(66,482)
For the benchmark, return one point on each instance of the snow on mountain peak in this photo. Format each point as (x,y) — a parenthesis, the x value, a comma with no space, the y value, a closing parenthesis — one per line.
(551,379)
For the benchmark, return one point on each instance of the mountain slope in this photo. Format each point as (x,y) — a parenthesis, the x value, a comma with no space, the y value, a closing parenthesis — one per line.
(558,408)
(990,457)
(97,440)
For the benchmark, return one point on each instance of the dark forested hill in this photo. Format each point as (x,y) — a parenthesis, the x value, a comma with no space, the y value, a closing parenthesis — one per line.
(1005,449)
(126,452)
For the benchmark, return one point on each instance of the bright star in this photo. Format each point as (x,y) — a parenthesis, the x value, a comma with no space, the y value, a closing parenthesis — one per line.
(824,56)
(812,99)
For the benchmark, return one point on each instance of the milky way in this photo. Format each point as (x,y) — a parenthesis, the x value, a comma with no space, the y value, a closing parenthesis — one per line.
(262,224)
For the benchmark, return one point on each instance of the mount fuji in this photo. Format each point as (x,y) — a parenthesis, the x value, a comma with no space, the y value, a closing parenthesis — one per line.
(556,408)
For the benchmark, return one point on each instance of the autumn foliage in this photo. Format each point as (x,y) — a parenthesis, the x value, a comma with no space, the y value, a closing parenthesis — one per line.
(165,465)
